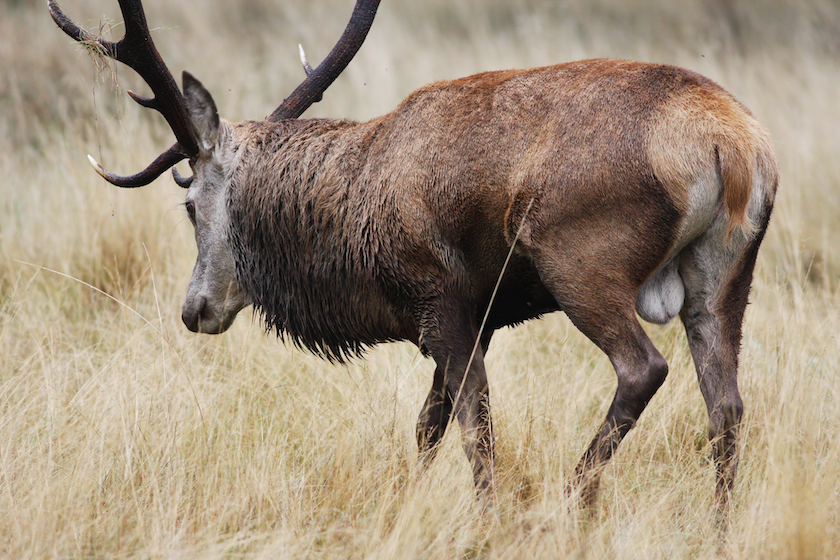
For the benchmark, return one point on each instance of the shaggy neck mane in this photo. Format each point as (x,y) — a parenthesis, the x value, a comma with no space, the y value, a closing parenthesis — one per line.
(295,228)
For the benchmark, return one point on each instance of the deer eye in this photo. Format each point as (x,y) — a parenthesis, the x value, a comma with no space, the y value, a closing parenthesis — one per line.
(190,205)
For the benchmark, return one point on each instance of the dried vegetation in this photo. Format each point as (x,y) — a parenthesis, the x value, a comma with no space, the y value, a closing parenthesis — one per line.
(124,436)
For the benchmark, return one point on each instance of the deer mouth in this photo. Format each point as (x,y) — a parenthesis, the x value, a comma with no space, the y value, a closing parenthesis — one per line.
(200,316)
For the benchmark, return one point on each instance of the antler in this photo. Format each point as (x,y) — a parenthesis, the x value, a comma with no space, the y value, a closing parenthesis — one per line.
(137,51)
(319,79)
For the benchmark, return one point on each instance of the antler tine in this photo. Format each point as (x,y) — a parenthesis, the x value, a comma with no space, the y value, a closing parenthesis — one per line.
(306,66)
(308,69)
(319,79)
(137,50)
(74,31)
(155,169)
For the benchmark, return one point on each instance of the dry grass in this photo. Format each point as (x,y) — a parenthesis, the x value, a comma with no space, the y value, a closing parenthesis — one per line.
(124,436)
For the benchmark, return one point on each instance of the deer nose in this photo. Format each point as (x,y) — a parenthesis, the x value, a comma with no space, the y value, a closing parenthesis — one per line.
(193,312)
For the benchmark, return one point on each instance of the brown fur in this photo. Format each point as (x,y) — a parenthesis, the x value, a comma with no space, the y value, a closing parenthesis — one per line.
(348,234)
(567,139)
(612,187)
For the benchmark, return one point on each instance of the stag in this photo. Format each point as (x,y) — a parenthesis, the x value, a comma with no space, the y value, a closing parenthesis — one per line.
(602,188)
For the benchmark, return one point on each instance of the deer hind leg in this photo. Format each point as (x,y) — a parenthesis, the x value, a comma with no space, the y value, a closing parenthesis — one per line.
(717,277)
(601,304)
(640,370)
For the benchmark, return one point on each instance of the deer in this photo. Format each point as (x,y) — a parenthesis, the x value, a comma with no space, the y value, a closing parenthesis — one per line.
(610,190)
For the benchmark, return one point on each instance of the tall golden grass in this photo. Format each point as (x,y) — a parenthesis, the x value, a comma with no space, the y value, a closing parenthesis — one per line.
(124,436)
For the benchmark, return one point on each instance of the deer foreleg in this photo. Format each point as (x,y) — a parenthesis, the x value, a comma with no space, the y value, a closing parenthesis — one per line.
(460,387)
(434,418)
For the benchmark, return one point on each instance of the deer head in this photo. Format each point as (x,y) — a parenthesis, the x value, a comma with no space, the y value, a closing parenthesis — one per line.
(213,297)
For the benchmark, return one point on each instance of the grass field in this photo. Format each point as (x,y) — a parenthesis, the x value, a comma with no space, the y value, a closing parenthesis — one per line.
(122,435)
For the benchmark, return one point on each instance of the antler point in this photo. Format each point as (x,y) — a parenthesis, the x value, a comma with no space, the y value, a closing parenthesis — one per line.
(99,169)
(306,66)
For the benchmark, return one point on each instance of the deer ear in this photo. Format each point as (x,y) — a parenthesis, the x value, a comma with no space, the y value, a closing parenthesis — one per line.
(202,113)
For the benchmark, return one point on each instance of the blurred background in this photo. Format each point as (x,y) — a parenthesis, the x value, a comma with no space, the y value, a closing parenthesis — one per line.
(125,436)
